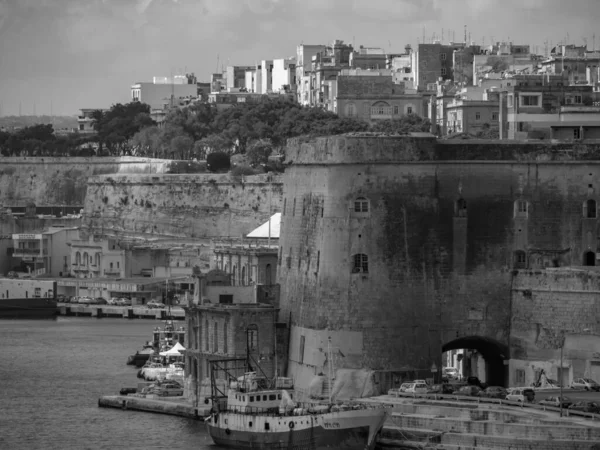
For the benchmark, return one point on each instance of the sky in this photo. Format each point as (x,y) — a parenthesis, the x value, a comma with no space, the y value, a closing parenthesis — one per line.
(61,55)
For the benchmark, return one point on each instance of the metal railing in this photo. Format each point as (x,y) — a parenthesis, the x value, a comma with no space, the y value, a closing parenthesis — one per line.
(465,398)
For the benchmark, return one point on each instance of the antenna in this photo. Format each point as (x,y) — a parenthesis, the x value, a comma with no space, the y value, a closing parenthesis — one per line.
(217,69)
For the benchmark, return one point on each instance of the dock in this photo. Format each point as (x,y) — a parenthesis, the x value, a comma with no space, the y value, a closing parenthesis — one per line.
(126,312)
(175,406)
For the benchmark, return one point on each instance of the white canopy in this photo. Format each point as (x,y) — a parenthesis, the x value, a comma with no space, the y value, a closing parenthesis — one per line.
(173,351)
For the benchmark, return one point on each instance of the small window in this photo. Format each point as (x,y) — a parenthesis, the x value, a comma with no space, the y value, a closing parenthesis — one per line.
(461,208)
(264,398)
(509,101)
(521,208)
(443,56)
(272,397)
(530,100)
(589,209)
(494,116)
(284,206)
(409,110)
(252,398)
(477,116)
(267,426)
(396,110)
(577,99)
(294,208)
(576,133)
(301,350)
(361,204)
(589,258)
(520,260)
(361,263)
(443,71)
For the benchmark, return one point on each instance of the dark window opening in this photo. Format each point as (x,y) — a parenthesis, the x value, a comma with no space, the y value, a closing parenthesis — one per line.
(590,259)
(301,350)
(520,260)
(361,204)
(361,263)
(461,208)
(591,210)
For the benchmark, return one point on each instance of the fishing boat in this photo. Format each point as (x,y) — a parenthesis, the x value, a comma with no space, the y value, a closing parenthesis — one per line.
(251,411)
(164,338)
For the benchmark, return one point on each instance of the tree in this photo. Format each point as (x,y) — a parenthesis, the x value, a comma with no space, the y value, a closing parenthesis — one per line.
(218,162)
(146,142)
(181,147)
(258,152)
(406,124)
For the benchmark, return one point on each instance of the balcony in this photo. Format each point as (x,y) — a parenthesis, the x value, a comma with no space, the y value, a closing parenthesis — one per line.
(112,271)
(21,252)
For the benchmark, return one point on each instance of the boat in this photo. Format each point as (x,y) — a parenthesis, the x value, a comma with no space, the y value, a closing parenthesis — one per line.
(252,411)
(162,339)
(28,299)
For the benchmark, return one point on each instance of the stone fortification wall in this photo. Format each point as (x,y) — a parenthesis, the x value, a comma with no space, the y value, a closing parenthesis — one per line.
(548,305)
(61,181)
(191,205)
(440,233)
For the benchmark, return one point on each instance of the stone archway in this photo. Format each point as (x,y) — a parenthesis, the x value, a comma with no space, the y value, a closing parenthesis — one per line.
(493,352)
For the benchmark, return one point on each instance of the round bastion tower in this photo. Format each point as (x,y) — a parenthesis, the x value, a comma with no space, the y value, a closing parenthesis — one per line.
(373,261)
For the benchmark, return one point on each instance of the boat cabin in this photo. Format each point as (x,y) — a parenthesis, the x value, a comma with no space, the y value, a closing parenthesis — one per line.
(260,399)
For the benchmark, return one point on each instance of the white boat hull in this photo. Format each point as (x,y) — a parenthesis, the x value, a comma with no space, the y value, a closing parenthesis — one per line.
(351,429)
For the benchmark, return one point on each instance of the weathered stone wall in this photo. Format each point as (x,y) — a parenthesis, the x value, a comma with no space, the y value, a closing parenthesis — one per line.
(61,181)
(548,305)
(191,205)
(435,273)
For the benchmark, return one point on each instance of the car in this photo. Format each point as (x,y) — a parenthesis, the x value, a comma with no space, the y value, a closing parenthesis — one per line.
(450,373)
(419,381)
(124,302)
(404,386)
(585,383)
(556,401)
(155,304)
(474,381)
(468,391)
(100,301)
(493,392)
(416,388)
(164,389)
(86,300)
(523,395)
(443,388)
(61,298)
(590,407)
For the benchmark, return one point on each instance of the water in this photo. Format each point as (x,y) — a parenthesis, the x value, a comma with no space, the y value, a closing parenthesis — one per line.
(52,373)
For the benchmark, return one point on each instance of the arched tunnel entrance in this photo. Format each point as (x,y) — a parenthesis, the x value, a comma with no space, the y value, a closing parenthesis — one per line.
(480,356)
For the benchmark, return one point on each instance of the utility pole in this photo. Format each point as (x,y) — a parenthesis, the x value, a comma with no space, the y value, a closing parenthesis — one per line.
(562,376)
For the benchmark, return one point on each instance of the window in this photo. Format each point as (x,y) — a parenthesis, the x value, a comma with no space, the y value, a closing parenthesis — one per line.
(577,99)
(494,116)
(284,205)
(289,259)
(37,292)
(589,209)
(519,377)
(206,335)
(268,275)
(443,56)
(361,204)
(318,259)
(520,261)
(461,208)
(225,347)
(294,208)
(216,338)
(361,263)
(396,110)
(530,100)
(589,258)
(409,109)
(477,116)
(301,350)
(509,101)
(443,70)
(576,133)
(521,208)
(350,110)
(252,336)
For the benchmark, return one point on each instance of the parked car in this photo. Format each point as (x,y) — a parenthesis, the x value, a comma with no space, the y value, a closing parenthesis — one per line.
(420,381)
(469,391)
(450,373)
(585,383)
(155,304)
(404,386)
(124,302)
(100,301)
(522,395)
(443,388)
(590,407)
(493,392)
(86,300)
(556,401)
(164,389)
(61,298)
(113,301)
(416,388)
(474,381)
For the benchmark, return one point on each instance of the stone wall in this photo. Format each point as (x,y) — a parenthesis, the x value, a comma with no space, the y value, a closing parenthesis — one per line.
(61,181)
(548,306)
(437,271)
(191,205)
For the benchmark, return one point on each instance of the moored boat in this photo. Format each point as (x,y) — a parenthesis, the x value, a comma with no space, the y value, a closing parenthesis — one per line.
(260,414)
(27,298)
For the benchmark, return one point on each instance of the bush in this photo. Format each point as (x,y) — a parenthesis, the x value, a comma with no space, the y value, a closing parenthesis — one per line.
(244,170)
(218,162)
(187,167)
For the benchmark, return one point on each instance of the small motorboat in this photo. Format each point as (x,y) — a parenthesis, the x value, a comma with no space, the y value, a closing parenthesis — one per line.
(141,356)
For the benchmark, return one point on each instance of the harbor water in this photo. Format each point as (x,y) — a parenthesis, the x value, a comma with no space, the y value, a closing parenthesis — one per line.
(52,373)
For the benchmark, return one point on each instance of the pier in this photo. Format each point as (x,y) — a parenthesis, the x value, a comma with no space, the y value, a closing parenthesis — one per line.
(174,406)
(126,312)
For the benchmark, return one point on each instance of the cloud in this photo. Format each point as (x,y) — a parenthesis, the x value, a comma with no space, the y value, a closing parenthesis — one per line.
(405,11)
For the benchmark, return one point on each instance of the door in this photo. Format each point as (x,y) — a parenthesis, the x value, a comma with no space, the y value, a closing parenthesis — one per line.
(563,376)
(595,371)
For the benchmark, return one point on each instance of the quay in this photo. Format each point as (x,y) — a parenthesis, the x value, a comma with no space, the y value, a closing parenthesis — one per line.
(435,423)
(126,312)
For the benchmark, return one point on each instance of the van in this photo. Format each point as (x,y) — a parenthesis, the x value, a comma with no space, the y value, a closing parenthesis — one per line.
(520,395)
